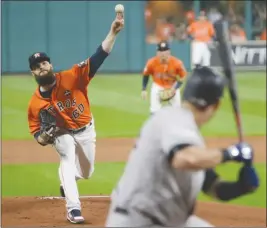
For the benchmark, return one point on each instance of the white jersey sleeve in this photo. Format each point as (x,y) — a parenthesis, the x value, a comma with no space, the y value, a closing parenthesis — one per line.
(180,132)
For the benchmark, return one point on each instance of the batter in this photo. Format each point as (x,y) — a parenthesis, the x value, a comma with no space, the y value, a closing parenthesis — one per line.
(170,164)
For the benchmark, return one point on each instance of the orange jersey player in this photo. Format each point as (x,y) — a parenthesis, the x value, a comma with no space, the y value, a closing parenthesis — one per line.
(202,33)
(64,96)
(167,72)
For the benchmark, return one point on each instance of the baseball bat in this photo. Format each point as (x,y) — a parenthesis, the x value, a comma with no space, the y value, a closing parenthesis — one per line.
(225,53)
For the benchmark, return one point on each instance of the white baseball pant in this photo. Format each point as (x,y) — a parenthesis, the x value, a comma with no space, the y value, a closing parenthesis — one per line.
(77,157)
(156,104)
(200,53)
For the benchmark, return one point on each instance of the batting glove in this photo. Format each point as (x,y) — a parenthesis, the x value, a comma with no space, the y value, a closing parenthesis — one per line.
(241,152)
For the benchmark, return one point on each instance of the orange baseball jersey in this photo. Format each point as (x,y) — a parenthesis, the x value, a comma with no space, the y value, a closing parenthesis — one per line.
(165,75)
(69,101)
(201,31)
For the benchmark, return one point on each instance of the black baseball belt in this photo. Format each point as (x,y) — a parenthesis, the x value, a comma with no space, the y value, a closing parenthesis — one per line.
(76,131)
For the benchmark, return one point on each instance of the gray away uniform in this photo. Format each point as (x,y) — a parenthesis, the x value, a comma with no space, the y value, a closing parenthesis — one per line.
(151,192)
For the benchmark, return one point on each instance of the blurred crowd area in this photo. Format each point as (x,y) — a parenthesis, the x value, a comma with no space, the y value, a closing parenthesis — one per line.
(168,20)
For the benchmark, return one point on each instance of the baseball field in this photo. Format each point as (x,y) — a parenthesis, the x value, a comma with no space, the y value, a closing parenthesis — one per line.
(30,183)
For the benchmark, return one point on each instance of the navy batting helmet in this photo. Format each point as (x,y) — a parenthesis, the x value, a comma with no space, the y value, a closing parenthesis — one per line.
(204,87)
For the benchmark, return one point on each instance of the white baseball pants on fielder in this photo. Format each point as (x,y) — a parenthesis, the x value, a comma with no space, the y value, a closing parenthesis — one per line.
(156,104)
(200,53)
(77,157)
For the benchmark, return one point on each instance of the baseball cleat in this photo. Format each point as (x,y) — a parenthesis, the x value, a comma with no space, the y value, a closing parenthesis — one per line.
(75,216)
(62,192)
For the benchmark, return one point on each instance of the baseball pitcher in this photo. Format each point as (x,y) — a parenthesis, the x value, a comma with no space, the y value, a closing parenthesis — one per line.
(170,163)
(167,72)
(59,114)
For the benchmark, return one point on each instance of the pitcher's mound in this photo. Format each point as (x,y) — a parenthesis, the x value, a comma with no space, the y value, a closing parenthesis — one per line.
(27,212)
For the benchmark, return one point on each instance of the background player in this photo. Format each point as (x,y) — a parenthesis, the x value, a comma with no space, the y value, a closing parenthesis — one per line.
(167,72)
(170,163)
(202,33)
(63,98)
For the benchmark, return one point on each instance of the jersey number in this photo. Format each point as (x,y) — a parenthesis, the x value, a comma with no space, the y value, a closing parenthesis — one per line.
(78,111)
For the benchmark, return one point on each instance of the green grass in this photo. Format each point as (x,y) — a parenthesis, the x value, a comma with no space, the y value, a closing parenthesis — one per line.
(119,111)
(42,180)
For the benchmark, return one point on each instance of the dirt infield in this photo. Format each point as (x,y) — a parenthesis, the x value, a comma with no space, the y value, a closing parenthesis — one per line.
(30,211)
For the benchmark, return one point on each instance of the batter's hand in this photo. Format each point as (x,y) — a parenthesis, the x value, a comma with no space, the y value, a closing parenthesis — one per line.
(241,152)
(117,25)
(144,94)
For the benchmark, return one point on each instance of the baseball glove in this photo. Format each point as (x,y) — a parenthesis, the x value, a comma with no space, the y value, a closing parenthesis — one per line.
(48,126)
(167,94)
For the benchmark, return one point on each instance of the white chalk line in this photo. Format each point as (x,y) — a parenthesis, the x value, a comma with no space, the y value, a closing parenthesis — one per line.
(81,197)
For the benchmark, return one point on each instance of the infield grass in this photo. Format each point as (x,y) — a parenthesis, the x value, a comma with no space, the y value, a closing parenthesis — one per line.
(42,180)
(119,111)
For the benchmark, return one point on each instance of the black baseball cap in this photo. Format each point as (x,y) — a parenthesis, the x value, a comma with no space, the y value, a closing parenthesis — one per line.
(163,46)
(37,58)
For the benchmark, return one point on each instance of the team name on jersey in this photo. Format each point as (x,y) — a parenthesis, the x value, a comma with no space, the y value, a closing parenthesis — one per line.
(67,104)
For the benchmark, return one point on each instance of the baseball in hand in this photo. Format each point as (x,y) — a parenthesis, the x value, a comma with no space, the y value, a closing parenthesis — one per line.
(119,21)
(119,8)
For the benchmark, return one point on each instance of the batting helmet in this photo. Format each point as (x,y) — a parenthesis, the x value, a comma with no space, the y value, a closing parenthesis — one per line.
(204,87)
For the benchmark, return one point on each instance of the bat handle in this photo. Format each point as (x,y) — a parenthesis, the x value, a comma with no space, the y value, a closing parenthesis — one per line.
(239,128)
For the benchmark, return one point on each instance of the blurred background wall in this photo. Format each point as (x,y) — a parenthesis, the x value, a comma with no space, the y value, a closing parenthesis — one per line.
(70,31)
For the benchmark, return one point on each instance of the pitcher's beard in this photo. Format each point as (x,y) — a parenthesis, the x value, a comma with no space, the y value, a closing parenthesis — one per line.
(45,80)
